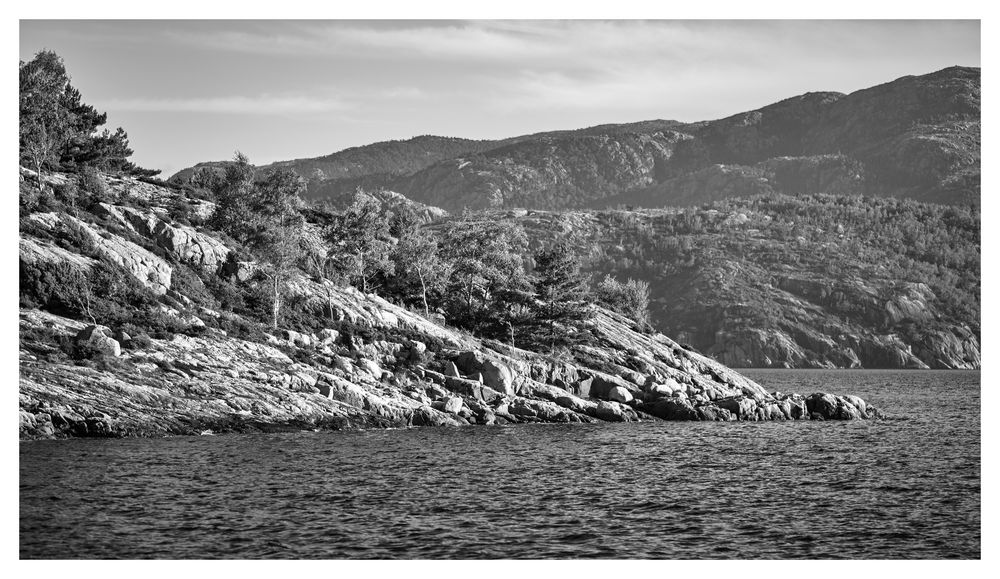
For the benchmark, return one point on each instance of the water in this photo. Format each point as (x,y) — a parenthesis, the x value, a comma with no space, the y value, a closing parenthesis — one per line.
(908,487)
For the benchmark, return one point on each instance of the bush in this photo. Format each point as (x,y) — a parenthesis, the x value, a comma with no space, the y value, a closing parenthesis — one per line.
(93,186)
(631,299)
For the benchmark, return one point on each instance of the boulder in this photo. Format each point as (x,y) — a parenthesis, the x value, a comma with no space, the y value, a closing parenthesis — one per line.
(823,404)
(99,338)
(582,387)
(496,374)
(619,394)
(673,409)
(328,336)
(453,405)
(451,370)
(611,411)
(296,338)
(427,416)
(741,407)
(371,367)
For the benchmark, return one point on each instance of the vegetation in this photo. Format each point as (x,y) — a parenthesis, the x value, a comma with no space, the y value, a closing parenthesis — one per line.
(59,131)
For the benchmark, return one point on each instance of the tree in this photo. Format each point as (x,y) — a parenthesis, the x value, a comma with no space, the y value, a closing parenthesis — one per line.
(488,287)
(562,293)
(44,123)
(416,255)
(266,216)
(58,129)
(233,198)
(360,242)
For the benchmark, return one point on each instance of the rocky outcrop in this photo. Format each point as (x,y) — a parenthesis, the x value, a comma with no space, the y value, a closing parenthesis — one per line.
(218,383)
(185,242)
(147,268)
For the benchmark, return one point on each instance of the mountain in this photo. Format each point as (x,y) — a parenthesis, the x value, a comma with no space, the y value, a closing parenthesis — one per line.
(916,137)
(137,320)
(797,281)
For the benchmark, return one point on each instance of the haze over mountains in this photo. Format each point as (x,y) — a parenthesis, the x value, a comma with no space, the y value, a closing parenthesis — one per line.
(916,137)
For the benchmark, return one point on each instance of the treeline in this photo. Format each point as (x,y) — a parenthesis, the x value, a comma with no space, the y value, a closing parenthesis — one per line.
(475,272)
(58,131)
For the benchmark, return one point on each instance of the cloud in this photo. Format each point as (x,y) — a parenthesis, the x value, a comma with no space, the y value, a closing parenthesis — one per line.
(237,105)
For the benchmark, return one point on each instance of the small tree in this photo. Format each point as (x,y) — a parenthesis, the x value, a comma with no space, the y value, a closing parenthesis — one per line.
(360,242)
(265,216)
(630,299)
(278,239)
(44,123)
(563,297)
(416,255)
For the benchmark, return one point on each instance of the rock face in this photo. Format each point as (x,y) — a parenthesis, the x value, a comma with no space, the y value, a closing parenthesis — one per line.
(188,244)
(148,269)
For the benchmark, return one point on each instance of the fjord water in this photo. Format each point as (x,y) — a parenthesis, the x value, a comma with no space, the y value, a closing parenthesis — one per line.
(905,487)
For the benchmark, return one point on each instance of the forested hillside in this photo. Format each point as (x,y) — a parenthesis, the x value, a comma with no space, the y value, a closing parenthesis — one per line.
(800,281)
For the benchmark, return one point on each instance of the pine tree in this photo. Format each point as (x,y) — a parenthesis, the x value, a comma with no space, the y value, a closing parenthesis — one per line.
(488,289)
(563,296)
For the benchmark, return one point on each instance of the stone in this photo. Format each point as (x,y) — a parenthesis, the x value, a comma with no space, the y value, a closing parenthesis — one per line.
(328,336)
(673,409)
(451,370)
(822,404)
(619,394)
(297,338)
(99,338)
(453,405)
(856,402)
(371,367)
(610,411)
(417,350)
(496,375)
(741,407)
(582,387)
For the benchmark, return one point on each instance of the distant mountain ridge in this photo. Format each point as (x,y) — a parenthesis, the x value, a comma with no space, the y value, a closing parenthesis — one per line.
(916,137)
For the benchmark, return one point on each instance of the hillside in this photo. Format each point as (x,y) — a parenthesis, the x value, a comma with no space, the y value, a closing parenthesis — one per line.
(916,137)
(805,282)
(138,320)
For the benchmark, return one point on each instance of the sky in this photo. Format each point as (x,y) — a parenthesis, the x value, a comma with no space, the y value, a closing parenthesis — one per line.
(188,91)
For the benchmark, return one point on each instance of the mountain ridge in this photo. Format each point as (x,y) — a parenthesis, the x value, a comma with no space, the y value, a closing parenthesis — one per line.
(917,136)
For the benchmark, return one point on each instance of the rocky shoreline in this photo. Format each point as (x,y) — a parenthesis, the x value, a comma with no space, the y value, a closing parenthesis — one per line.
(217,384)
(374,365)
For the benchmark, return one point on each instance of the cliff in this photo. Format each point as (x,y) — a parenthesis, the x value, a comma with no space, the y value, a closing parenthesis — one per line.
(160,348)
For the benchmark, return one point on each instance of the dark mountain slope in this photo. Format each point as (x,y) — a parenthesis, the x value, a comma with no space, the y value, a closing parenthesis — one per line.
(915,137)
(811,281)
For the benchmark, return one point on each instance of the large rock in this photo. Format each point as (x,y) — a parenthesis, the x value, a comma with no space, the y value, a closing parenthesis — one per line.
(673,409)
(741,407)
(427,416)
(613,412)
(143,265)
(619,394)
(496,374)
(453,405)
(99,338)
(183,241)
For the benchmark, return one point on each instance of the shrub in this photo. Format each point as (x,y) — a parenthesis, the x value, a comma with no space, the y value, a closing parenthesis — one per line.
(631,299)
(93,186)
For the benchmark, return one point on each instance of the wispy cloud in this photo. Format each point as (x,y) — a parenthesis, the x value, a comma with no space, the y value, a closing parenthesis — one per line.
(237,105)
